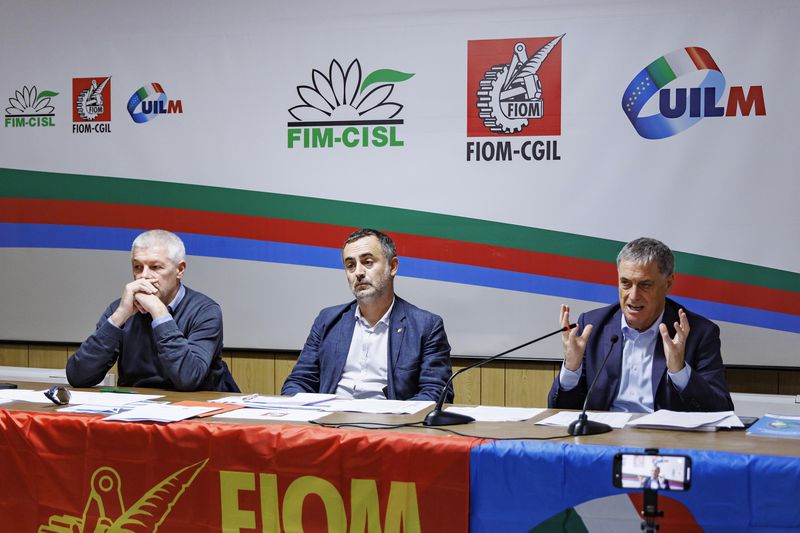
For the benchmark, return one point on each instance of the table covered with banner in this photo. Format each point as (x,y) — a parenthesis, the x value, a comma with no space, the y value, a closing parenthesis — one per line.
(80,473)
(545,487)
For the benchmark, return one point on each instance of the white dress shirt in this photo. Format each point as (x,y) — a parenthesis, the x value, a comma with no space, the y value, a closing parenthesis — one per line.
(365,373)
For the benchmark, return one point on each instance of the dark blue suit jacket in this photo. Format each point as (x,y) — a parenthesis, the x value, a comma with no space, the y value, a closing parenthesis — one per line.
(706,390)
(419,354)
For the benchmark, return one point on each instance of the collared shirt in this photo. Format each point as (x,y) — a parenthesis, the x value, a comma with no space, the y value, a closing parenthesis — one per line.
(366,371)
(635,392)
(171,308)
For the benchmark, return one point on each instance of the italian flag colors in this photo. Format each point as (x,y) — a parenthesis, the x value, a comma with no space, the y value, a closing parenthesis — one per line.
(618,513)
(678,63)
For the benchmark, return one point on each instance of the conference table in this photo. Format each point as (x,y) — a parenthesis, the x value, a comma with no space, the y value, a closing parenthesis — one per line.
(363,472)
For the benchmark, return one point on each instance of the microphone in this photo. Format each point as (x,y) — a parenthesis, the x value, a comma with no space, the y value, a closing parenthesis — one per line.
(438,417)
(584,426)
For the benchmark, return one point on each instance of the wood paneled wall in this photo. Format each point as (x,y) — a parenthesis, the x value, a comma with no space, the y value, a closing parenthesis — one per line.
(511,383)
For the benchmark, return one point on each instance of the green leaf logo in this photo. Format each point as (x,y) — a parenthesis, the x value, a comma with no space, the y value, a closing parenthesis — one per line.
(384,75)
(46,94)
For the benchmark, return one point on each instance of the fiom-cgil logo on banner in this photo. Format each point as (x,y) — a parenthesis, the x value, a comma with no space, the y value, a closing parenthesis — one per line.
(91,112)
(30,108)
(105,509)
(150,101)
(690,86)
(344,109)
(514,91)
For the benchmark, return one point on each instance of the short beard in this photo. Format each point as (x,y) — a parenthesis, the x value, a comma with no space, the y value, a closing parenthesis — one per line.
(376,290)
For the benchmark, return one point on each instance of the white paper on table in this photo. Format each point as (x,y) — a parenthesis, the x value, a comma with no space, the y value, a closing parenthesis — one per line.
(24,395)
(288,415)
(565,418)
(5,400)
(486,413)
(159,413)
(385,407)
(298,400)
(109,399)
(87,408)
(666,419)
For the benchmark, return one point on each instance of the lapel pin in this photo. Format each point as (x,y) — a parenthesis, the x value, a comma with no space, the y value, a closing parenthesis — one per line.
(399,330)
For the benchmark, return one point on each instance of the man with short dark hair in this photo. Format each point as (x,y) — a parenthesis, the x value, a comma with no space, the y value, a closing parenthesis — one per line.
(657,363)
(379,345)
(160,333)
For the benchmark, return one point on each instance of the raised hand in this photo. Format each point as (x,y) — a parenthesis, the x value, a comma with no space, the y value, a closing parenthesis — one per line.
(675,347)
(574,344)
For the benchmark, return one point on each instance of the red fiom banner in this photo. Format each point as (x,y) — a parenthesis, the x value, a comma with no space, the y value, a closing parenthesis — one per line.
(73,473)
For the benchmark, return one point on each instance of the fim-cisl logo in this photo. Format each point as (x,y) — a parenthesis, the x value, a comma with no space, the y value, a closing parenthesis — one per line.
(514,93)
(344,109)
(91,112)
(30,108)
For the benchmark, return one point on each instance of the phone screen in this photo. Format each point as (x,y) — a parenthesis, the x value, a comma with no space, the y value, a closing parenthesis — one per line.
(655,472)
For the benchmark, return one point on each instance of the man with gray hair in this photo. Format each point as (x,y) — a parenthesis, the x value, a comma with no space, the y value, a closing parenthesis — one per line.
(161,333)
(378,346)
(658,364)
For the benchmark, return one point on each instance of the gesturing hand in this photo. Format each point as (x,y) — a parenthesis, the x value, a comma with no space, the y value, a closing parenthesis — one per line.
(574,344)
(675,347)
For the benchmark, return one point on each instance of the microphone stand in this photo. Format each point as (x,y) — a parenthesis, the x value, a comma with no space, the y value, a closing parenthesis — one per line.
(584,426)
(439,417)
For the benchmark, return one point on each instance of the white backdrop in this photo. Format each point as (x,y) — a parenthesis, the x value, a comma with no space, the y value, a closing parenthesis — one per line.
(726,188)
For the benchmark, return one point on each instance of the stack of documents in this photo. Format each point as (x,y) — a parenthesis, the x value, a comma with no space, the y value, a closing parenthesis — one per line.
(486,413)
(683,421)
(107,399)
(327,403)
(300,400)
(159,413)
(565,418)
(381,407)
(275,415)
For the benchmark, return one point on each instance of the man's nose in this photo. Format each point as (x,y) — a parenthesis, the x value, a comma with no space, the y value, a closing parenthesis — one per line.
(634,292)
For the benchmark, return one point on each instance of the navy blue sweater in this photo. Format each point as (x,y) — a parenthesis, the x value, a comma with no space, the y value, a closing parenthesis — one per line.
(180,354)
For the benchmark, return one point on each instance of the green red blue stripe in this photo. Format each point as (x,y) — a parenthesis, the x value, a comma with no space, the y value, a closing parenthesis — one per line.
(69,213)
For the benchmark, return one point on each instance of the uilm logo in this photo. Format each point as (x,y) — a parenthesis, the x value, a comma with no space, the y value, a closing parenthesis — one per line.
(150,101)
(670,75)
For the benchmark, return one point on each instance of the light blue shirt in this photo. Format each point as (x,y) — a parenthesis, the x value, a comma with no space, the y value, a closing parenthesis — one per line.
(171,308)
(635,394)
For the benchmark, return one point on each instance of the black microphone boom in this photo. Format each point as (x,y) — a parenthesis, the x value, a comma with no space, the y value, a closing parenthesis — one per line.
(584,426)
(438,417)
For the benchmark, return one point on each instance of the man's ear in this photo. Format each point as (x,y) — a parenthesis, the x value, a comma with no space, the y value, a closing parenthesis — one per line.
(670,281)
(181,268)
(393,264)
